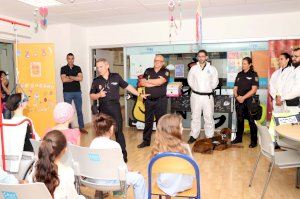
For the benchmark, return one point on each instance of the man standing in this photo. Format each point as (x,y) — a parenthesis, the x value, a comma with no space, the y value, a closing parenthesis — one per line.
(155,82)
(291,95)
(71,77)
(105,88)
(203,79)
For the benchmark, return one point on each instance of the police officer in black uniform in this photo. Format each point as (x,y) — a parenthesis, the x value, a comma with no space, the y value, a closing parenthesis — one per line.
(245,86)
(155,82)
(105,88)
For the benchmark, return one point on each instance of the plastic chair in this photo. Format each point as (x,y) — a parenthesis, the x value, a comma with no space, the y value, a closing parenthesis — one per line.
(99,164)
(283,159)
(24,191)
(174,163)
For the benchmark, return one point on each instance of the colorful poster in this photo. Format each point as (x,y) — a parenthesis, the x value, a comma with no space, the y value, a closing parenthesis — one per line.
(234,65)
(36,76)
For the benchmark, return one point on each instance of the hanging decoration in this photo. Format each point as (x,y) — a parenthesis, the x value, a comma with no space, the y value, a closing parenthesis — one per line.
(199,23)
(172,4)
(36,22)
(44,13)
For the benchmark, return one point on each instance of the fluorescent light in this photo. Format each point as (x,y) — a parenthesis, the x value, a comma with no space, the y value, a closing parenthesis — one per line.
(42,3)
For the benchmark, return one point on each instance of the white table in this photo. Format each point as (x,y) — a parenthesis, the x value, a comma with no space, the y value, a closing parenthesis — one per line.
(291,132)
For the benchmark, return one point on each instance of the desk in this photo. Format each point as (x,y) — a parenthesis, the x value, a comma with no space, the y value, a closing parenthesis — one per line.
(291,132)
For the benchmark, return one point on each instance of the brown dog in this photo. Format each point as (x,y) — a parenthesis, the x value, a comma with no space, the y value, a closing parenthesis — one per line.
(219,142)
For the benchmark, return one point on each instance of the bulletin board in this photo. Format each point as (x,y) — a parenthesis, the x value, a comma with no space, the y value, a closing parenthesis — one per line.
(36,76)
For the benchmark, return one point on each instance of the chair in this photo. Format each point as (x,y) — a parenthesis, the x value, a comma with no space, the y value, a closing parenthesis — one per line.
(99,164)
(173,163)
(283,159)
(24,191)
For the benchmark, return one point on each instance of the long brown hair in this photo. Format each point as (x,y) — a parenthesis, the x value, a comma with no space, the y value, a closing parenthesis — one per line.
(54,142)
(168,137)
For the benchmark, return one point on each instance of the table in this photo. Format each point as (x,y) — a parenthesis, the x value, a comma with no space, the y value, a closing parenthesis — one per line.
(291,132)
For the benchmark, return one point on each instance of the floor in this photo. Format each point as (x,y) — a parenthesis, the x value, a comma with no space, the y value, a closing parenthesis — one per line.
(224,174)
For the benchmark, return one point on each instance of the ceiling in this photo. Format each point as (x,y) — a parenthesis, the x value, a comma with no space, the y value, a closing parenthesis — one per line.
(107,12)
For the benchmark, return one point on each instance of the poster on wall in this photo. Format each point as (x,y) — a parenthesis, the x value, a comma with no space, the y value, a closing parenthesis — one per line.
(234,65)
(36,77)
(139,63)
(179,70)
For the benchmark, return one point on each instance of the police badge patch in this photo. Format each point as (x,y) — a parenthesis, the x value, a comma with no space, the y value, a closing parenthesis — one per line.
(256,79)
(167,73)
(100,87)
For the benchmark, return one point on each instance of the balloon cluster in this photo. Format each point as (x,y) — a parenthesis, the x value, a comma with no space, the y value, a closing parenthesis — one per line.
(41,19)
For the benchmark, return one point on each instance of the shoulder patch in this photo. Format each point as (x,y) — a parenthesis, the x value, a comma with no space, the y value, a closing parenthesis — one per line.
(167,73)
(256,79)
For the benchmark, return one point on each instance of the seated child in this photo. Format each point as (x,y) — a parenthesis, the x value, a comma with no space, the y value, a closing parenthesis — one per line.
(58,178)
(104,128)
(63,115)
(168,138)
(17,103)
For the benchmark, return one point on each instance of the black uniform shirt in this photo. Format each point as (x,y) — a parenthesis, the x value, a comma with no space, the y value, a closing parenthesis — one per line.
(73,86)
(111,86)
(245,81)
(157,91)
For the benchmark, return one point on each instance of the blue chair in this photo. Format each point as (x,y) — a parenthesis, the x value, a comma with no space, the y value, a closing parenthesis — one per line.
(174,163)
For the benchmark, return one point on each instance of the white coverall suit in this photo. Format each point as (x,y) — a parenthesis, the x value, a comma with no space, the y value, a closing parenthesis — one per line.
(203,81)
(292,89)
(278,86)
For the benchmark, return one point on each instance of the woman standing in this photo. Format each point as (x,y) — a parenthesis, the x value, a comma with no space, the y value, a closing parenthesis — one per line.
(4,94)
(278,81)
(245,86)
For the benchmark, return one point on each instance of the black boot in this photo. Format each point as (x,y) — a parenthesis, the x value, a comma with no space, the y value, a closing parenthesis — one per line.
(237,140)
(191,140)
(143,145)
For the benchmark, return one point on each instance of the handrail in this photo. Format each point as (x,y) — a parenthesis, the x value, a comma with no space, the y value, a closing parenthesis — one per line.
(14,22)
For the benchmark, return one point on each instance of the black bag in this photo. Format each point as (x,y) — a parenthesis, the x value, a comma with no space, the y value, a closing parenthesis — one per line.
(255,108)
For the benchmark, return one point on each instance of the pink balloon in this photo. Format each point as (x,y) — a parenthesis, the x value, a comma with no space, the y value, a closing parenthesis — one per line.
(43,11)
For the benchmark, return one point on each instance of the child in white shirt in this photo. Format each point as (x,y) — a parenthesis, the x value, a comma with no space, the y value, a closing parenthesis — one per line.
(104,127)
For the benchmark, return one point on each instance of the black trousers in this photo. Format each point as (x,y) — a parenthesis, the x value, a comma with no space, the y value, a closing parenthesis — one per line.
(113,109)
(154,107)
(242,113)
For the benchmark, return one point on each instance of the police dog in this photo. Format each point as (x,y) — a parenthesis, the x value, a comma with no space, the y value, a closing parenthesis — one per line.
(219,142)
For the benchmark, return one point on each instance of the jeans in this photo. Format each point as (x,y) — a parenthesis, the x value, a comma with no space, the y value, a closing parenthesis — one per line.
(76,97)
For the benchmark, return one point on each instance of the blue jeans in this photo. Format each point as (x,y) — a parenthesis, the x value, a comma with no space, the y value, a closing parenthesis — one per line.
(76,96)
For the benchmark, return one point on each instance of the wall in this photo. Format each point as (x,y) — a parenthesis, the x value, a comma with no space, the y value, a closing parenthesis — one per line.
(254,27)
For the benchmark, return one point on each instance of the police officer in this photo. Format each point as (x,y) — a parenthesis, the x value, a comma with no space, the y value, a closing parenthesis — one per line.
(291,97)
(245,86)
(203,79)
(105,88)
(155,82)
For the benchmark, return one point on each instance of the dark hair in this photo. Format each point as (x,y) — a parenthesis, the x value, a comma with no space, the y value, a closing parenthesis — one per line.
(102,124)
(202,51)
(249,60)
(287,56)
(2,72)
(53,143)
(296,49)
(70,54)
(13,101)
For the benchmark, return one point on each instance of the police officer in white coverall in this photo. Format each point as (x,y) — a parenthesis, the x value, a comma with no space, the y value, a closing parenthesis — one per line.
(278,82)
(203,79)
(292,94)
